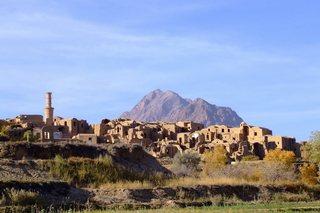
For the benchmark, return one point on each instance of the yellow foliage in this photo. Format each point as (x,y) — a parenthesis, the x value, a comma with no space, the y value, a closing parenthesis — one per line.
(3,130)
(308,174)
(215,160)
(280,156)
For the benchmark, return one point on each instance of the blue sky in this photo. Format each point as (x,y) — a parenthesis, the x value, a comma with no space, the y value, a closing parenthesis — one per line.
(99,58)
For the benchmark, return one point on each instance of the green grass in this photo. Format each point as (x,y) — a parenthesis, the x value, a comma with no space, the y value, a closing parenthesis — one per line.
(240,208)
(288,207)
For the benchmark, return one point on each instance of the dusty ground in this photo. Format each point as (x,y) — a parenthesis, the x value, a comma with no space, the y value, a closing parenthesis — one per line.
(21,170)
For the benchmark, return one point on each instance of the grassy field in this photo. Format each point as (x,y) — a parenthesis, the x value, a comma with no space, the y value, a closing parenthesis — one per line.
(287,207)
(241,208)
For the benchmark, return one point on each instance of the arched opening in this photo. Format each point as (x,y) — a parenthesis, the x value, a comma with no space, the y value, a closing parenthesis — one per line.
(245,132)
(259,150)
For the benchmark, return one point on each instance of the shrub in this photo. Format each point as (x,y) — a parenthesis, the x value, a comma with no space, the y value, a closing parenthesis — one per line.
(276,172)
(188,159)
(186,163)
(258,172)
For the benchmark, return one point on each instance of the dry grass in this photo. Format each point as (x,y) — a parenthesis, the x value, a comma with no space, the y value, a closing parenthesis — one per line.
(190,181)
(127,184)
(182,181)
(20,197)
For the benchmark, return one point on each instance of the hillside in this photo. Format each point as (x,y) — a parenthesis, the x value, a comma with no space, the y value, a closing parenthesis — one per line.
(170,107)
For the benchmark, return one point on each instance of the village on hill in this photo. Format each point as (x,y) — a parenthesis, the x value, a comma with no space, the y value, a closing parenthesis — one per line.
(161,139)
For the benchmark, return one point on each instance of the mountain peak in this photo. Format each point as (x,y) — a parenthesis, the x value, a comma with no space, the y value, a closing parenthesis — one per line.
(170,107)
(200,100)
(170,92)
(157,91)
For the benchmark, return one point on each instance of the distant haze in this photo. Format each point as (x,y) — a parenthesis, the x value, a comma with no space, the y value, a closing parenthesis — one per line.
(170,107)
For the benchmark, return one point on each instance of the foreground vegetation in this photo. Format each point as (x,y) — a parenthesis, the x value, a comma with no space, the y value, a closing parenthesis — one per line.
(279,169)
(293,188)
(86,172)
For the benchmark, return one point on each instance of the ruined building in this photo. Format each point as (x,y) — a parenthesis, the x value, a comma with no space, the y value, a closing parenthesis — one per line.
(160,138)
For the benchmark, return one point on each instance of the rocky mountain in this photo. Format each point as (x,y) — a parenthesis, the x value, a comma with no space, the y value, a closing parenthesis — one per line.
(170,107)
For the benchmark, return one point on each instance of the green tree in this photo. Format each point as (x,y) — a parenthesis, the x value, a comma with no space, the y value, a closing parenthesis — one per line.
(311,150)
(28,136)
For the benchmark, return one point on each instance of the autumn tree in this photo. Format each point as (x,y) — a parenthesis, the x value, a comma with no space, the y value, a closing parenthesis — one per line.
(283,157)
(215,160)
(4,130)
(308,173)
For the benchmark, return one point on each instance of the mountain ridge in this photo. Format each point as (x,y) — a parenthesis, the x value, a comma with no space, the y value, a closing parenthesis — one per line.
(171,107)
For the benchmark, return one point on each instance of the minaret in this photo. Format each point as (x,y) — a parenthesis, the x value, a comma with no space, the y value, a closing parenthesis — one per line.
(48,111)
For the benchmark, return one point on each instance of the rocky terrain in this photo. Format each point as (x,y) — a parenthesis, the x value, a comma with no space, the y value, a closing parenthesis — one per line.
(170,107)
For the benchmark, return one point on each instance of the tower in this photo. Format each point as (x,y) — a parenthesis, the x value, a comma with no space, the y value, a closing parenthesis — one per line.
(48,110)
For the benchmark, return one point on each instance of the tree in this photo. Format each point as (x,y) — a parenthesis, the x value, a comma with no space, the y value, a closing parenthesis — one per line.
(28,136)
(280,156)
(215,160)
(311,150)
(308,173)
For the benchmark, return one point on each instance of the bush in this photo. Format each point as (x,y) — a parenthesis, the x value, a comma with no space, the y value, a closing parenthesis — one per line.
(277,172)
(186,163)
(257,172)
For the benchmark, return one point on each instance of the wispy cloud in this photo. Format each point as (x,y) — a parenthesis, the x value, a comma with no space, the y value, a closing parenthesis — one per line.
(95,54)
